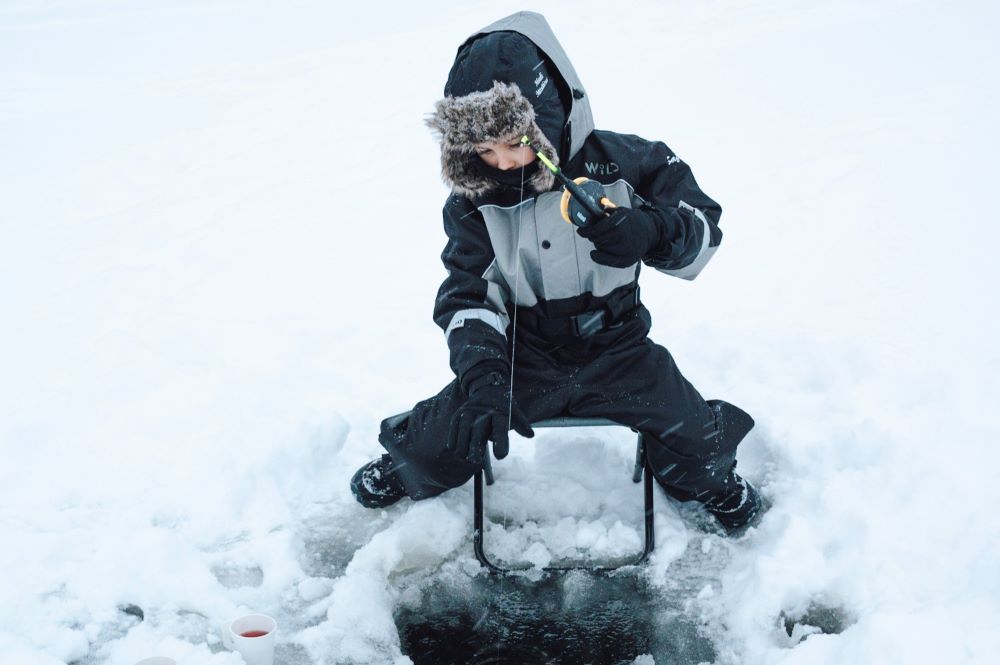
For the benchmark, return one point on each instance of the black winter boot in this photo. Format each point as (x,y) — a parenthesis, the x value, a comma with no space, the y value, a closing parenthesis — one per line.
(737,509)
(375,485)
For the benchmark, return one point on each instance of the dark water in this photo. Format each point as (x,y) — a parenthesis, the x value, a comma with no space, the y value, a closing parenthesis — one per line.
(577,618)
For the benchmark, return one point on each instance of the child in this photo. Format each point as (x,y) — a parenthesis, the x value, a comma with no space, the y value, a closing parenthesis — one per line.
(548,307)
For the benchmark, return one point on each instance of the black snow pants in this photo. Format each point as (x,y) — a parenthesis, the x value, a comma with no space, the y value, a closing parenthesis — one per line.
(618,374)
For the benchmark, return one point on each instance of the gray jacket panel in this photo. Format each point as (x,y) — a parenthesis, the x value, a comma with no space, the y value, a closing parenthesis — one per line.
(542,254)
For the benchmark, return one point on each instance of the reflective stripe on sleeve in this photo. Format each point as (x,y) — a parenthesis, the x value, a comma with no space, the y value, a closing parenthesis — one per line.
(691,270)
(495,320)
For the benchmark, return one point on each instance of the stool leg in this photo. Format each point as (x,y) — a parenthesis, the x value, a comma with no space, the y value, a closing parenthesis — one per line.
(640,458)
(647,491)
(641,472)
(478,526)
(477,519)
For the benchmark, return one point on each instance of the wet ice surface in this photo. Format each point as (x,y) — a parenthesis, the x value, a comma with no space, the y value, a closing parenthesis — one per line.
(603,621)
(329,542)
(575,618)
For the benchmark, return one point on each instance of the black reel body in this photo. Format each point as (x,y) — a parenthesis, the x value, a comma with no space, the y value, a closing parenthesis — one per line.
(575,211)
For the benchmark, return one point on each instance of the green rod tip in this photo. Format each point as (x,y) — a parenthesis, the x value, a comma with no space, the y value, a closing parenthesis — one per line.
(545,160)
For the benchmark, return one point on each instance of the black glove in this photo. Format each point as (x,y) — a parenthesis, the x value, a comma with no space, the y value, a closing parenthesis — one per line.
(623,237)
(483,418)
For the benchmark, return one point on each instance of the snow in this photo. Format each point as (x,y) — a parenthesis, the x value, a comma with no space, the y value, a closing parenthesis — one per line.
(220,238)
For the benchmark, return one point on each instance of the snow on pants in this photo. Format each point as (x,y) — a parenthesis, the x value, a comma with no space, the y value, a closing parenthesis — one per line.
(690,443)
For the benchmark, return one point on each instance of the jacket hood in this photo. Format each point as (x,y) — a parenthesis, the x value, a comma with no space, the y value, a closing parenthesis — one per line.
(502,115)
(510,78)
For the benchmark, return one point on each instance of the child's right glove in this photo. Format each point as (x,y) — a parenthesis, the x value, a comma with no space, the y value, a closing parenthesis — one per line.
(625,236)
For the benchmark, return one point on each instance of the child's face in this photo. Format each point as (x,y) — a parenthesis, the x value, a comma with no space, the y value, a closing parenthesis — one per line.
(507,155)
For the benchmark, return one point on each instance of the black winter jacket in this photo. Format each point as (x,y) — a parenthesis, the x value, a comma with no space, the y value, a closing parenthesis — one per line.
(510,248)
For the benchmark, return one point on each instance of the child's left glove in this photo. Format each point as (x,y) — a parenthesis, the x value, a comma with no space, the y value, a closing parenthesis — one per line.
(484,417)
(622,238)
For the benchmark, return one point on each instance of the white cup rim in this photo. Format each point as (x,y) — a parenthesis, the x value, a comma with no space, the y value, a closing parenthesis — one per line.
(254,621)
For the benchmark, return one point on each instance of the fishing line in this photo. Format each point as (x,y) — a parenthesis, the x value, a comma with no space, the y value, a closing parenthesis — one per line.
(517,283)
(513,352)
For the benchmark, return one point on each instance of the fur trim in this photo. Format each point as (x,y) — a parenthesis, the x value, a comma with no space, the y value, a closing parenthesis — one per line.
(499,114)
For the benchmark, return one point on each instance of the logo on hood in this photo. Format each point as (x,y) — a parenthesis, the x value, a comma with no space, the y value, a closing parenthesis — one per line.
(540,82)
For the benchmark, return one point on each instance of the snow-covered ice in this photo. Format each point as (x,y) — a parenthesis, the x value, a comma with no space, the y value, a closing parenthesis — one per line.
(220,230)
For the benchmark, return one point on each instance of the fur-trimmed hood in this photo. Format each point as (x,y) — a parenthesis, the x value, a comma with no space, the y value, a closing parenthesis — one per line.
(509,79)
(502,115)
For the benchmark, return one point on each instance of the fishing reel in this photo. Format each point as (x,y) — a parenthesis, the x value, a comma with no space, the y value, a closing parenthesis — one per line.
(583,200)
(587,204)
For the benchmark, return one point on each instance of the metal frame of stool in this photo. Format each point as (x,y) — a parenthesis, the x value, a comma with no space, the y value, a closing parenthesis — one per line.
(640,472)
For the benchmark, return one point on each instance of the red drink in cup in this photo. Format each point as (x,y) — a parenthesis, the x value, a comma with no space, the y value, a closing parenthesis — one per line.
(254,633)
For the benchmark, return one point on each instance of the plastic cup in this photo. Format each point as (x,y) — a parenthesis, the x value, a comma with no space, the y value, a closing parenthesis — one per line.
(252,636)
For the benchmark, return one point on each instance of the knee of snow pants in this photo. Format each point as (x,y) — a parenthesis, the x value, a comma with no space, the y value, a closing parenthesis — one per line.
(415,441)
(697,470)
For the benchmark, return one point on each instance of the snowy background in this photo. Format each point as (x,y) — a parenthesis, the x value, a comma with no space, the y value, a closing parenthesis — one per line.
(219,239)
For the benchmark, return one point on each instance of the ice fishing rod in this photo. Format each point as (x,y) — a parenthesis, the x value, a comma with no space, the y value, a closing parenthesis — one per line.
(588,194)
